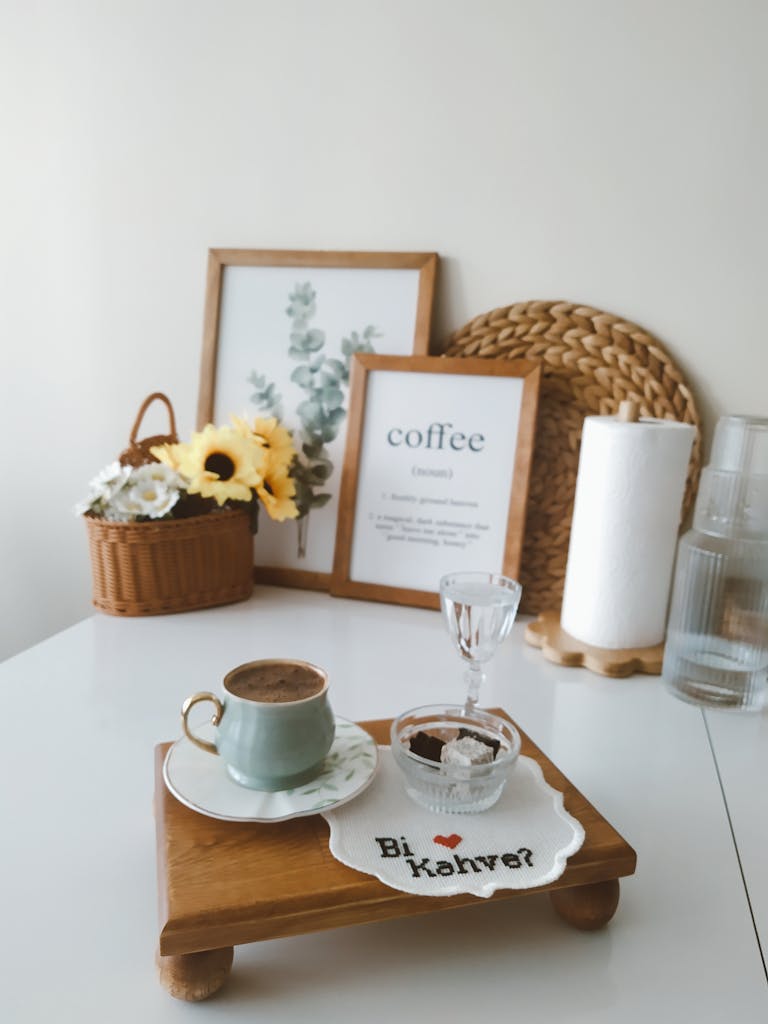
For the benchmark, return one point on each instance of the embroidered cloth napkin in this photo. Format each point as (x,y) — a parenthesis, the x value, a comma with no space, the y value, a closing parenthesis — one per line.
(522,841)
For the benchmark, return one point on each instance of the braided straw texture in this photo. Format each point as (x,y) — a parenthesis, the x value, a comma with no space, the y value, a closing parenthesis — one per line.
(591,361)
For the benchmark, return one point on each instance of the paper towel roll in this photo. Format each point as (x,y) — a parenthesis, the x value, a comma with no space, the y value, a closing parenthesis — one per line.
(626,517)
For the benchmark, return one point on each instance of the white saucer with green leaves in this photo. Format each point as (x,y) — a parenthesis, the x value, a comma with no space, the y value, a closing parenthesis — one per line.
(200,780)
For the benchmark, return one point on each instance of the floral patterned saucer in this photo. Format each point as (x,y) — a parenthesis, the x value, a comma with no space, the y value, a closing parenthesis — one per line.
(200,781)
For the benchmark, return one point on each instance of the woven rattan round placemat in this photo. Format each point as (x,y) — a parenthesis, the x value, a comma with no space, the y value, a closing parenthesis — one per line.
(591,361)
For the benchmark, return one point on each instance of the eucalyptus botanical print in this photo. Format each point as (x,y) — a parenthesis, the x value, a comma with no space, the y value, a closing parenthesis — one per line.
(324,380)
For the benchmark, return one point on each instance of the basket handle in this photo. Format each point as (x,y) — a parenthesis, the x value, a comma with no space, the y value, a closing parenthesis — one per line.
(145,405)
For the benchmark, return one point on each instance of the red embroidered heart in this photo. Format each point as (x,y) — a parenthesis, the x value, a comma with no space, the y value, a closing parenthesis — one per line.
(450,841)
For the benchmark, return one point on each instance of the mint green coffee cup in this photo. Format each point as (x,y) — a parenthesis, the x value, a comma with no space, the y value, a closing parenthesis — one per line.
(274,723)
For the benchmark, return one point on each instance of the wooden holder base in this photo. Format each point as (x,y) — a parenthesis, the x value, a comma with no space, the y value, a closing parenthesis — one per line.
(224,883)
(562,648)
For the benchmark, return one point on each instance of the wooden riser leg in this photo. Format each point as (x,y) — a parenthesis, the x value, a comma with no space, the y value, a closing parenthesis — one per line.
(587,907)
(195,976)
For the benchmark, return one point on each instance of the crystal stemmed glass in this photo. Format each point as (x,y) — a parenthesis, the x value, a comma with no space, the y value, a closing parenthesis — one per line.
(479,609)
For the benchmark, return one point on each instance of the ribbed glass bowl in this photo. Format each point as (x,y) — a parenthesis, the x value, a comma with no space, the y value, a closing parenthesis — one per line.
(453,789)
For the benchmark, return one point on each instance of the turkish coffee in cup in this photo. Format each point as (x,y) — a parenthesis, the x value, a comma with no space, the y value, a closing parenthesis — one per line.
(276,682)
(274,723)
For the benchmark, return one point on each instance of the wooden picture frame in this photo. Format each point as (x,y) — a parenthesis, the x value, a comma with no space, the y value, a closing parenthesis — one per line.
(258,303)
(436,473)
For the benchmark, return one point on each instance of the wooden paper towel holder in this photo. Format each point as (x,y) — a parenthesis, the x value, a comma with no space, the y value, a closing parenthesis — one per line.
(560,647)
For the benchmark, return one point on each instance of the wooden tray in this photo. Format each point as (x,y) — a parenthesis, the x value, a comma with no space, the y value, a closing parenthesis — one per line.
(225,883)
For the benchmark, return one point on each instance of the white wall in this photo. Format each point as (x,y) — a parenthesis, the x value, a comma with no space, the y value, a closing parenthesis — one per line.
(610,152)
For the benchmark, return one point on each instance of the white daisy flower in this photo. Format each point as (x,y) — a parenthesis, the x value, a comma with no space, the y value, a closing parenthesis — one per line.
(104,486)
(152,491)
(114,515)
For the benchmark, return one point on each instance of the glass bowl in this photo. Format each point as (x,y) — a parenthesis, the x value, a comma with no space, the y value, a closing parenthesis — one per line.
(453,788)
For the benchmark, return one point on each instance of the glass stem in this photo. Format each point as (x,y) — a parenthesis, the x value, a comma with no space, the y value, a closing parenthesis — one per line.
(473,677)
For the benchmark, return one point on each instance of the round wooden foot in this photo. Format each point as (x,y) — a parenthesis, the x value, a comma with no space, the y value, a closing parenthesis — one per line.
(195,976)
(587,907)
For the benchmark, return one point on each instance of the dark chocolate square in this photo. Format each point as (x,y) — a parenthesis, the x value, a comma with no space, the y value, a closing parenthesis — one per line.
(424,745)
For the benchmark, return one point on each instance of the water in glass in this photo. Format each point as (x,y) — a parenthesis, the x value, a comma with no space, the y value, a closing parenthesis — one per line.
(479,610)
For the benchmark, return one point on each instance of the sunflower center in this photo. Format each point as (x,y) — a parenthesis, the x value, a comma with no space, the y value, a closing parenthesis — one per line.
(220,464)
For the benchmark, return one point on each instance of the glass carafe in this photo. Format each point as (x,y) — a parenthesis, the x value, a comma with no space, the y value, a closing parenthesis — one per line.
(716,652)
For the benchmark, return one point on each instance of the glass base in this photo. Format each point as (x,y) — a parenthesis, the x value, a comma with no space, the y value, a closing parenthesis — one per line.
(458,800)
(716,672)
(707,695)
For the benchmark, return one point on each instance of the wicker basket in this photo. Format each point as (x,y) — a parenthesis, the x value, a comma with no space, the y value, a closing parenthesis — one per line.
(170,565)
(173,565)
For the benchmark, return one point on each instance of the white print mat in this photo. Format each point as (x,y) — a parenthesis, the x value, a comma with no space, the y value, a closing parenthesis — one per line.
(523,841)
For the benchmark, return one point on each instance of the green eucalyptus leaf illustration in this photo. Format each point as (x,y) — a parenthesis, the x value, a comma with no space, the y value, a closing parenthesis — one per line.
(303,497)
(334,369)
(314,340)
(332,397)
(310,437)
(311,413)
(312,449)
(323,380)
(319,473)
(303,376)
(301,302)
(266,397)
(331,424)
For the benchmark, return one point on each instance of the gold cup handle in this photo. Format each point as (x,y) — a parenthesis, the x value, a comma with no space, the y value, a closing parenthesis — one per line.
(187,706)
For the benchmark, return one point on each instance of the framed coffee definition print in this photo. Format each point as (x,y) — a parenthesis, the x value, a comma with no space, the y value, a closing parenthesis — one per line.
(436,473)
(281,329)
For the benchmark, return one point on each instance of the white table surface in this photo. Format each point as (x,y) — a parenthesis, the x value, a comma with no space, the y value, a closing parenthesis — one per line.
(84,710)
(740,743)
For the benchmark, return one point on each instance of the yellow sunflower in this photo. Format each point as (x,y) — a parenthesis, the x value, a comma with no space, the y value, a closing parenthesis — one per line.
(168,454)
(220,463)
(276,492)
(276,439)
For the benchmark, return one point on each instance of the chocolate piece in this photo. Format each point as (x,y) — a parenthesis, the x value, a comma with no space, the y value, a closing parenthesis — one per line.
(493,744)
(424,745)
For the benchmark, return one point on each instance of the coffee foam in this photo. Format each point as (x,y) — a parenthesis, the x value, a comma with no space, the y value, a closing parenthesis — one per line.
(276,682)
